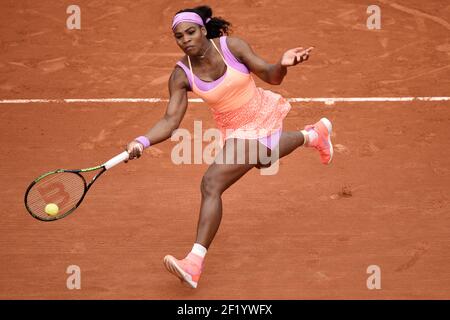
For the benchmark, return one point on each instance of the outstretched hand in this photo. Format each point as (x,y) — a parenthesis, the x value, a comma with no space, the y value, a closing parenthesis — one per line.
(295,56)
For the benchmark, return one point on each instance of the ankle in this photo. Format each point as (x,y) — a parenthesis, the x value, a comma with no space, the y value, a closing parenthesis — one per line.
(199,250)
(310,137)
(305,138)
(197,254)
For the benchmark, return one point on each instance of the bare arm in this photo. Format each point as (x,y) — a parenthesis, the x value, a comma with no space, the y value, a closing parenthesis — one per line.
(270,73)
(175,111)
(172,118)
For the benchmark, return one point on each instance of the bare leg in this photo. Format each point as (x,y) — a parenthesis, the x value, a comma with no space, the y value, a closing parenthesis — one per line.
(289,141)
(219,177)
(216,180)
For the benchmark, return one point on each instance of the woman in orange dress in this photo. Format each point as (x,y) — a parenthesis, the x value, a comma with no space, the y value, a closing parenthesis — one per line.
(218,69)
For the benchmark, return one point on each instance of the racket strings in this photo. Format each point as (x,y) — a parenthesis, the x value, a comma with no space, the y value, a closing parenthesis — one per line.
(65,189)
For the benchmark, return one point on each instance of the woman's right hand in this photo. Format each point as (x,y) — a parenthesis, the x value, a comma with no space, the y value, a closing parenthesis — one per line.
(135,149)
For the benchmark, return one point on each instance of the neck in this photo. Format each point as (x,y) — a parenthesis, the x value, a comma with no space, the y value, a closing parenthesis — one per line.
(205,55)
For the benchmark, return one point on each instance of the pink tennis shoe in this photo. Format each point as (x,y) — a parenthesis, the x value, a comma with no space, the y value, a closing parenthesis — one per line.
(187,270)
(323,142)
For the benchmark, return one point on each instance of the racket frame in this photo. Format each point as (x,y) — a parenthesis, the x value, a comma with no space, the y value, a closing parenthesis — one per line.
(78,172)
(105,166)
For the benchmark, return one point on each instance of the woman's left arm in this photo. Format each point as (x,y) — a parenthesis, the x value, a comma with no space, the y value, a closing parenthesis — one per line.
(270,73)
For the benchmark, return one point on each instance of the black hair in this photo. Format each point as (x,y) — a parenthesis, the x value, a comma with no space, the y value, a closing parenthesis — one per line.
(216,26)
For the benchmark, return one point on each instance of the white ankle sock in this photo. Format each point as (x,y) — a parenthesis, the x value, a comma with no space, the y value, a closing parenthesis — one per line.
(199,250)
(310,137)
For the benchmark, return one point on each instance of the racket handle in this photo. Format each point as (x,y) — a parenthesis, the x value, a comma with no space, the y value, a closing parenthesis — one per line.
(116,160)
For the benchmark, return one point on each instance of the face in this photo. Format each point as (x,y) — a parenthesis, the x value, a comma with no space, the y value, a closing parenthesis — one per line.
(190,38)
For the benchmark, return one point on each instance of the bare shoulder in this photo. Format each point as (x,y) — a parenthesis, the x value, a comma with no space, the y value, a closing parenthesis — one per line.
(178,78)
(238,47)
(236,42)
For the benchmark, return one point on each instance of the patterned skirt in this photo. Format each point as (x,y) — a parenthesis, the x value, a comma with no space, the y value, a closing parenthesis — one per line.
(261,118)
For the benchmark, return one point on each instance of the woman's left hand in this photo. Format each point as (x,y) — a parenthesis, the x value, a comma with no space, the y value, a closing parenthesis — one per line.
(295,56)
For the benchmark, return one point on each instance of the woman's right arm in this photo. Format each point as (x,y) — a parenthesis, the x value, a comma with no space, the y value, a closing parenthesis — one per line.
(171,120)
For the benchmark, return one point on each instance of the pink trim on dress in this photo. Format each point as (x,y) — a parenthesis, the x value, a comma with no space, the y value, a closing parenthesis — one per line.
(203,85)
(230,60)
(230,57)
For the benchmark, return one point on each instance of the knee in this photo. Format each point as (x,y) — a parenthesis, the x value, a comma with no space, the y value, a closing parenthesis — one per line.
(210,186)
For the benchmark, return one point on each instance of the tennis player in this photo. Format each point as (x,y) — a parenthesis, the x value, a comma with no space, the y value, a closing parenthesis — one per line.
(218,68)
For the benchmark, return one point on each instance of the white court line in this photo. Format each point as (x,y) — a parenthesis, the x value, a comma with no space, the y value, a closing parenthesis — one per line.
(369,99)
(328,101)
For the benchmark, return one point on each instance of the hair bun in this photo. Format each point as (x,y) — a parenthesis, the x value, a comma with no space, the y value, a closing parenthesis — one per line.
(206,11)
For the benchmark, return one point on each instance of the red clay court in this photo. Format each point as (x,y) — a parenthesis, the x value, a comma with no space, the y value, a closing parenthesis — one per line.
(308,232)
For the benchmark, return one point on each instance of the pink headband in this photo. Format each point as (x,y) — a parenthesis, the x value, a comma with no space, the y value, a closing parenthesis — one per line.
(188,17)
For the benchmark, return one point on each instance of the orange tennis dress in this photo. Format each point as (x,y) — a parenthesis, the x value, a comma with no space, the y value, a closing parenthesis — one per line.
(240,109)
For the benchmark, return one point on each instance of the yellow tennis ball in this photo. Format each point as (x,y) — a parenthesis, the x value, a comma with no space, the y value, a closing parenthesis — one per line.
(51,209)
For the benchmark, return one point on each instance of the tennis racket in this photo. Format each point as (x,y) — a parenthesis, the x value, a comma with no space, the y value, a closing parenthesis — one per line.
(56,194)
